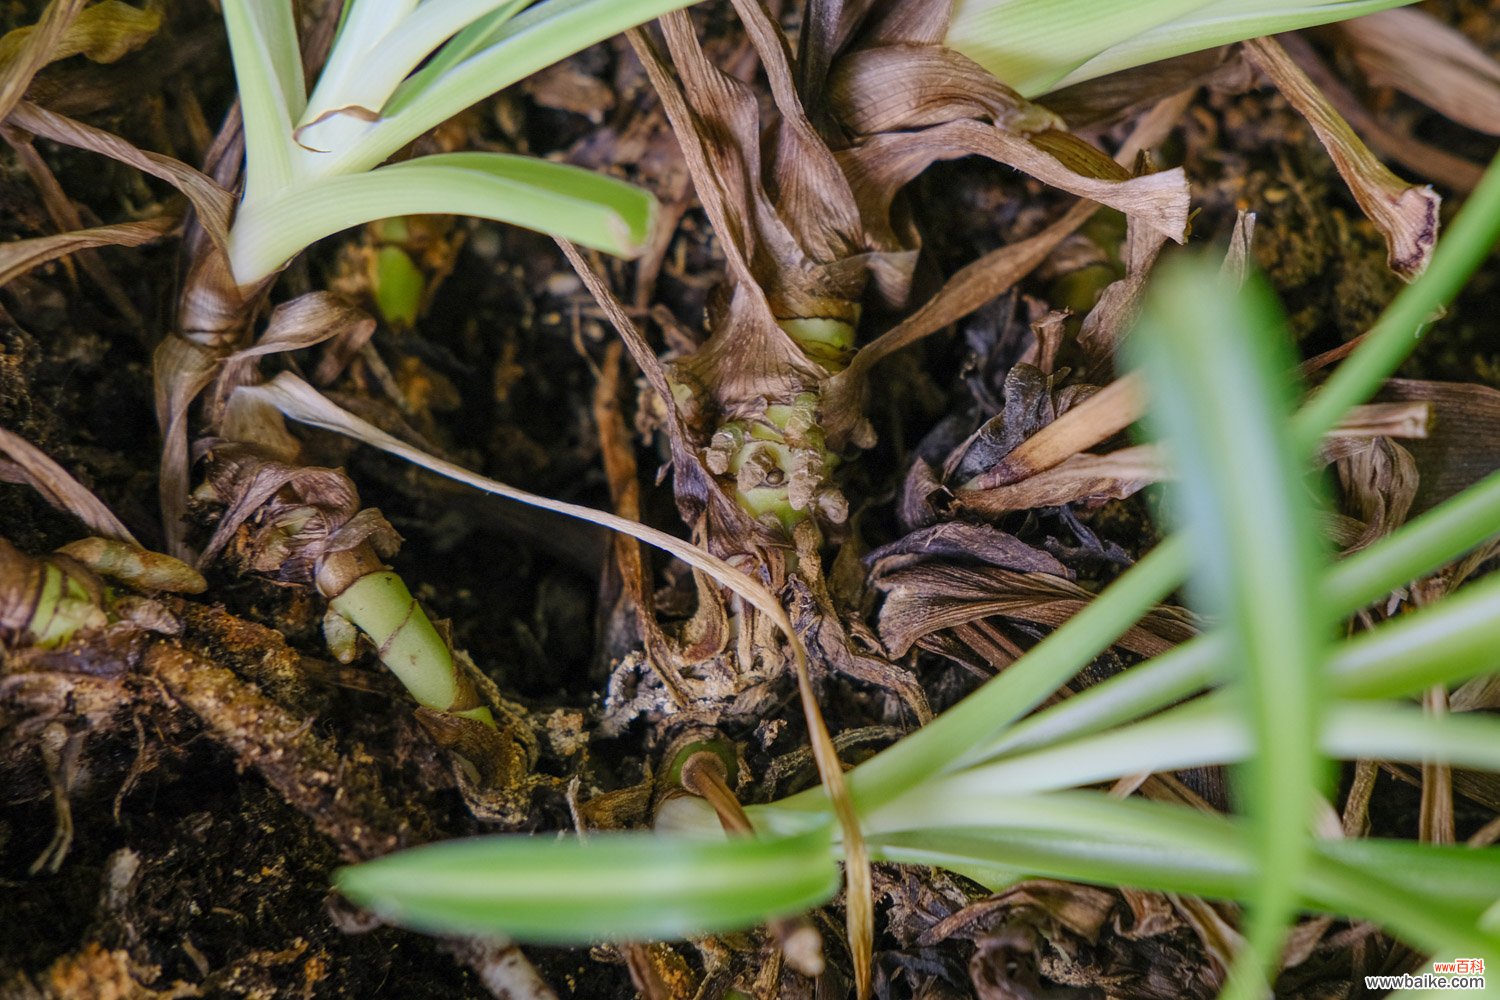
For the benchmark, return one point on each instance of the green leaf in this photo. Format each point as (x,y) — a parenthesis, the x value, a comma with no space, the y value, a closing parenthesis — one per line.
(1092,837)
(364,71)
(553,198)
(1037,46)
(610,887)
(1215,362)
(268,70)
(1445,643)
(542,35)
(1203,733)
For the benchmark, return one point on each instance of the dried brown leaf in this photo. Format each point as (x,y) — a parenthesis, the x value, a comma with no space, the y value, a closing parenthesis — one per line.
(213,203)
(26,50)
(20,256)
(929,597)
(1120,303)
(1421,158)
(1237,259)
(25,463)
(1379,483)
(1078,478)
(883,164)
(1463,444)
(1414,52)
(1406,214)
(962,541)
(1103,415)
(892,88)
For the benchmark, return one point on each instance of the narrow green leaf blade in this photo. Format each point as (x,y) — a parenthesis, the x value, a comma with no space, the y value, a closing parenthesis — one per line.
(268,71)
(609,887)
(1215,361)
(1434,897)
(554,198)
(533,40)
(1037,46)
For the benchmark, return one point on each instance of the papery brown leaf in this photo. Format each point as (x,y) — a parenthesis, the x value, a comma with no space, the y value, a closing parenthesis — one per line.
(1237,259)
(297,513)
(918,22)
(24,462)
(1082,477)
(1028,405)
(181,370)
(971,287)
(25,51)
(213,204)
(811,195)
(829,642)
(303,322)
(1398,420)
(932,596)
(883,164)
(1406,214)
(1419,55)
(1103,415)
(1421,158)
(962,541)
(66,218)
(716,119)
(1435,819)
(893,88)
(21,580)
(1463,444)
(103,33)
(20,256)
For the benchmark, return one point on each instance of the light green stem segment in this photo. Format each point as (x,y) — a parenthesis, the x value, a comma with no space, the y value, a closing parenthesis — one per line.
(407,643)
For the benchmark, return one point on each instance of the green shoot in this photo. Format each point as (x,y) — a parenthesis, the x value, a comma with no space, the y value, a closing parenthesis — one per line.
(313,160)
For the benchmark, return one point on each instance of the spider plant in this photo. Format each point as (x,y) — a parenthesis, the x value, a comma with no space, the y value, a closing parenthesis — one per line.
(397,70)
(995,794)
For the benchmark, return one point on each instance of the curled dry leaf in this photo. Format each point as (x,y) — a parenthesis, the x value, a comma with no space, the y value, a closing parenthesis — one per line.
(1120,302)
(296,514)
(18,257)
(1080,478)
(1414,52)
(26,50)
(879,167)
(213,203)
(1389,139)
(935,596)
(1463,445)
(1406,214)
(24,462)
(961,541)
